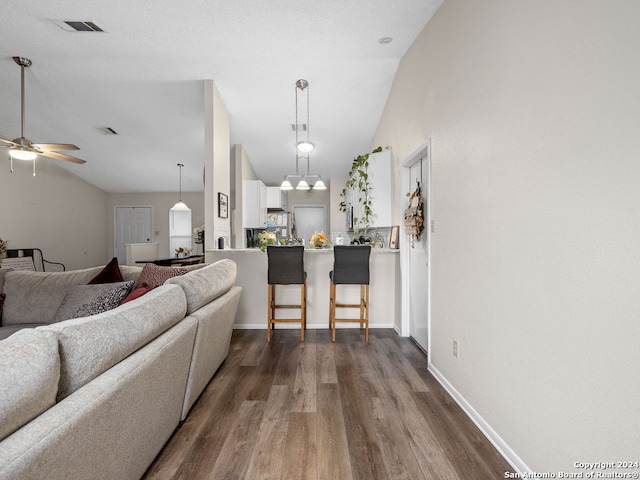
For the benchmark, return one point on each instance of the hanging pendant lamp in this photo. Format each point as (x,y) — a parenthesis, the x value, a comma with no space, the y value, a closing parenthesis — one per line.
(303,147)
(180,206)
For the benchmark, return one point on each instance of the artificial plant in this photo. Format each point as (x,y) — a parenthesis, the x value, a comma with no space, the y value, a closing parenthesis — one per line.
(359,179)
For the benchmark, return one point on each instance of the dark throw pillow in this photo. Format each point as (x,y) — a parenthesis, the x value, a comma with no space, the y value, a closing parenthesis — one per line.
(155,275)
(109,274)
(2,297)
(85,300)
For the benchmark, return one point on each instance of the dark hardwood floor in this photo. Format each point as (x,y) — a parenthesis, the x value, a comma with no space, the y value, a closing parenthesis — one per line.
(316,410)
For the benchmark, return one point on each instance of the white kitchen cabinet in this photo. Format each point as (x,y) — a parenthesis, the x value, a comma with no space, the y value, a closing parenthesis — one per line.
(254,204)
(380,191)
(276,198)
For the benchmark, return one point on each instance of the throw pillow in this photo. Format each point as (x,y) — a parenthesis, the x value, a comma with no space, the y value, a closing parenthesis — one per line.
(85,300)
(137,293)
(155,275)
(109,274)
(2,297)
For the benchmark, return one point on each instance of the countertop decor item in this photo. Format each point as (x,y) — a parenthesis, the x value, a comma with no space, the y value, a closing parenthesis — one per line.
(318,239)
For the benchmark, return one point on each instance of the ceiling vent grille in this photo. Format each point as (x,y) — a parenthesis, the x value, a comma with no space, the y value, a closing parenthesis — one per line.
(108,131)
(77,26)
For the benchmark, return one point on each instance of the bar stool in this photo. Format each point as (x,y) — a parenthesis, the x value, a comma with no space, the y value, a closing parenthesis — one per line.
(286,267)
(350,267)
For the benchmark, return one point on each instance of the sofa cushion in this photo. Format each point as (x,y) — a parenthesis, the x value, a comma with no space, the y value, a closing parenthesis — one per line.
(90,346)
(155,275)
(2,297)
(109,274)
(9,330)
(29,374)
(203,285)
(3,272)
(85,300)
(34,297)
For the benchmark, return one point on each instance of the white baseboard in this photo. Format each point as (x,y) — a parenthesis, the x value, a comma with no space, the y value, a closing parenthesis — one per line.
(509,455)
(310,326)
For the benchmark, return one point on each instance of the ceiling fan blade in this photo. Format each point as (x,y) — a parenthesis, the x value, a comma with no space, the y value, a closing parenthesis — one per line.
(55,146)
(62,156)
(9,142)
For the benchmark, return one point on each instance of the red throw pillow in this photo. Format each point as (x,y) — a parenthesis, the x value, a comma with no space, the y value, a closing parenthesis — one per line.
(155,275)
(137,293)
(109,274)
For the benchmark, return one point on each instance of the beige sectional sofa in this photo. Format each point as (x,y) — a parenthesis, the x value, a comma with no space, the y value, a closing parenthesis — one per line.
(97,397)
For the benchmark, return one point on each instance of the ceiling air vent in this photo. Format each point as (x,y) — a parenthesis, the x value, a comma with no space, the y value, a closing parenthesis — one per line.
(77,26)
(108,131)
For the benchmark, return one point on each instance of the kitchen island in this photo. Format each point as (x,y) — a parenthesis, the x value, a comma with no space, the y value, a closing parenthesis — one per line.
(252,277)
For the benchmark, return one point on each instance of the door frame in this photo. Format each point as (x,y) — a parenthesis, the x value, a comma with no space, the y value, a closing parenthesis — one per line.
(115,223)
(421,152)
(311,205)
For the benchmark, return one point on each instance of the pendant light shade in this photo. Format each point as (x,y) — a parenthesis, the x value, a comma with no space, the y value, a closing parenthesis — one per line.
(180,206)
(286,185)
(302,185)
(319,185)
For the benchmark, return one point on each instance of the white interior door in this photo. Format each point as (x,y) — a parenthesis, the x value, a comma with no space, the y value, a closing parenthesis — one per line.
(308,220)
(133,225)
(419,261)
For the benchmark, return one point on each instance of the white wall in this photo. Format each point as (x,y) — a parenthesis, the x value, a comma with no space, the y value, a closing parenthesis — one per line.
(217,163)
(55,211)
(161,203)
(533,110)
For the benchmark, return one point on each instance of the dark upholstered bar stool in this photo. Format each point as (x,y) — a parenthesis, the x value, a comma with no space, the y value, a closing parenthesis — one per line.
(286,267)
(350,267)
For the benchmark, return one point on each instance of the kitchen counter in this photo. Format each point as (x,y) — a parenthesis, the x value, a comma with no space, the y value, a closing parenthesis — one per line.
(252,277)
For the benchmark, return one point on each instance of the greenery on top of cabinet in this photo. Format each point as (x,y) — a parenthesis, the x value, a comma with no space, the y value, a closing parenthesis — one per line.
(359,181)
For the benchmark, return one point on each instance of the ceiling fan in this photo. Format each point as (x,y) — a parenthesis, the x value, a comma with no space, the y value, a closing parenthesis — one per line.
(22,148)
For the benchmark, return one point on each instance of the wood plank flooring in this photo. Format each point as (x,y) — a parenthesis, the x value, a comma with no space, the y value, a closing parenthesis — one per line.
(321,410)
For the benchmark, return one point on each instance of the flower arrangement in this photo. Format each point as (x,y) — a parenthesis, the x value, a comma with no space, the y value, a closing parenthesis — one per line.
(318,239)
(3,248)
(199,233)
(266,238)
(183,251)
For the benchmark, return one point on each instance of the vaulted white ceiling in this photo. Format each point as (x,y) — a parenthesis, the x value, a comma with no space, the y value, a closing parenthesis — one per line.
(143,78)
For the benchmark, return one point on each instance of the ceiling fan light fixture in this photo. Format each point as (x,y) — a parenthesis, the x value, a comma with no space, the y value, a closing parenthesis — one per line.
(22,154)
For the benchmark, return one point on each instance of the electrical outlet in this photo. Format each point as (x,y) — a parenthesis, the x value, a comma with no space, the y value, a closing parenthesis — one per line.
(455,348)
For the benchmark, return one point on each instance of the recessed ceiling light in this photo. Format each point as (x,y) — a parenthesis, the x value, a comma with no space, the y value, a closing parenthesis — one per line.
(385,40)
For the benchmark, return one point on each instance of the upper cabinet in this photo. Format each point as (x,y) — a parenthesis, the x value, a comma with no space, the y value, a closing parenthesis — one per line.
(380,191)
(276,198)
(379,176)
(254,204)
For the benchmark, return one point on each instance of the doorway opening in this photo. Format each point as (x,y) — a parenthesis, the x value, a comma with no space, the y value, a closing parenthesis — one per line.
(416,290)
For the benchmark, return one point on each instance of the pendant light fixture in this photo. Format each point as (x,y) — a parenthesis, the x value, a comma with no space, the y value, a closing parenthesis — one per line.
(303,147)
(180,206)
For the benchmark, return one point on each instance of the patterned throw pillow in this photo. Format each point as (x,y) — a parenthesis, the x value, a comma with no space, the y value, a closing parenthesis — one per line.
(155,275)
(85,300)
(137,293)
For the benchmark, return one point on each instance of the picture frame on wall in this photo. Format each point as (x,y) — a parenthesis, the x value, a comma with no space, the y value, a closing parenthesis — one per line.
(223,205)
(393,237)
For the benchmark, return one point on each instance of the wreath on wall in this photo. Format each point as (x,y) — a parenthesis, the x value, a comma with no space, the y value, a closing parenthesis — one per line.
(414,215)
